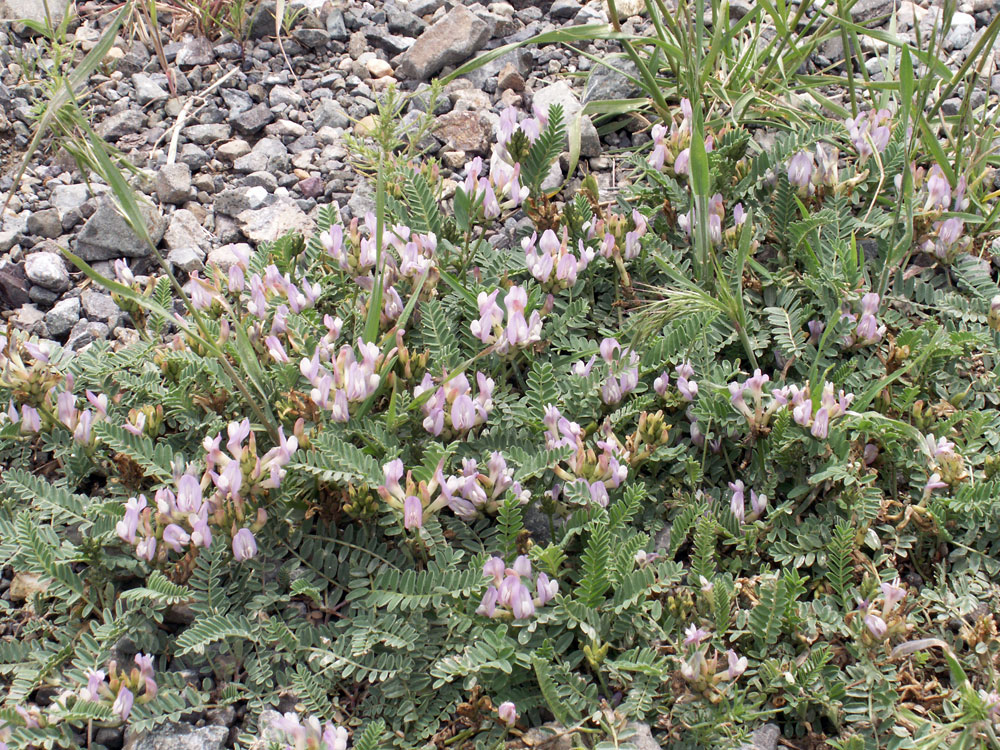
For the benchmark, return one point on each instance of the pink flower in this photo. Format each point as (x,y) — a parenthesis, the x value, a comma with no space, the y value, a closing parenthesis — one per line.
(507,713)
(123,703)
(175,537)
(413,513)
(244,545)
(800,169)
(737,664)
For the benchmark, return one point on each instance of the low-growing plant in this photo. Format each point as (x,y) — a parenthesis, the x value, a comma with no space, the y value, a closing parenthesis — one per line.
(444,479)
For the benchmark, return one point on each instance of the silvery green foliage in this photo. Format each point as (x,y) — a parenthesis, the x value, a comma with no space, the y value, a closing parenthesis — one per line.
(466,487)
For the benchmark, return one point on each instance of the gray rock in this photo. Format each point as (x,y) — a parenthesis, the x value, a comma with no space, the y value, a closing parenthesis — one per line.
(424,7)
(401,21)
(262,24)
(310,37)
(453,39)
(330,114)
(193,155)
(187,240)
(611,82)
(107,235)
(173,183)
(45,223)
(181,737)
(100,306)
(764,738)
(362,200)
(564,9)
(197,51)
(237,101)
(963,28)
(225,256)
(29,318)
(42,297)
(283,95)
(47,270)
(253,120)
(14,287)
(868,10)
(265,180)
(34,10)
(234,201)
(394,44)
(63,316)
(231,151)
(268,155)
(336,27)
(209,133)
(551,736)
(521,60)
(274,221)
(148,91)
(124,123)
(464,131)
(65,198)
(553,179)
(739,8)
(85,333)
(562,93)
(8,240)
(643,736)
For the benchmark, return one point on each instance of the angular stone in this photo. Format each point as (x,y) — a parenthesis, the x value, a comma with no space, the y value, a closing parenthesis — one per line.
(330,114)
(642,738)
(107,235)
(99,306)
(510,78)
(209,133)
(231,151)
(564,9)
(124,123)
(85,333)
(185,233)
(868,10)
(401,21)
(48,270)
(234,201)
(310,37)
(65,198)
(562,93)
(336,27)
(612,82)
(34,10)
(284,95)
(173,183)
(181,737)
(311,187)
(453,39)
(148,91)
(45,223)
(272,222)
(13,287)
(63,316)
(253,120)
(464,131)
(29,318)
(267,155)
(197,51)
(520,59)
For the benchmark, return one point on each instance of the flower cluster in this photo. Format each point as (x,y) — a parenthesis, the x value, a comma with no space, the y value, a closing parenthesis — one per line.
(413,499)
(807,171)
(673,147)
(451,409)
(716,217)
(867,330)
(830,407)
(609,468)
(881,623)
(869,132)
(309,734)
(946,464)
(472,493)
(118,688)
(686,385)
(702,672)
(623,370)
(342,381)
(555,267)
(509,595)
(520,331)
(753,388)
(758,503)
